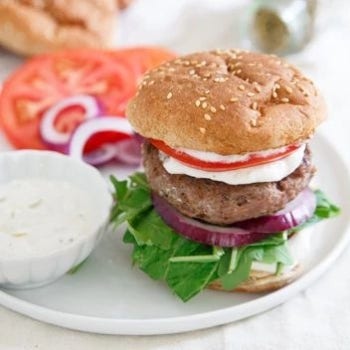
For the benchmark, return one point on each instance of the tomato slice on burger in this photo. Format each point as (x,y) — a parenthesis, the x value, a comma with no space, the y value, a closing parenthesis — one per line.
(253,159)
(44,80)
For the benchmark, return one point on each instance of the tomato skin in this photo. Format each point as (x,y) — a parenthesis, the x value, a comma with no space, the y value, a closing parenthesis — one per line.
(110,76)
(193,162)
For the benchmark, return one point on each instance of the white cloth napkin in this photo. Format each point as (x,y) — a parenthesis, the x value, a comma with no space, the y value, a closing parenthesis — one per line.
(318,318)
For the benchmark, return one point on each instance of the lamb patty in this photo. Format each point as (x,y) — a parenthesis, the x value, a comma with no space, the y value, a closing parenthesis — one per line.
(219,203)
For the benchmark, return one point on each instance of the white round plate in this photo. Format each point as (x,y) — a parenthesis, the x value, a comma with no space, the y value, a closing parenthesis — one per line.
(107,295)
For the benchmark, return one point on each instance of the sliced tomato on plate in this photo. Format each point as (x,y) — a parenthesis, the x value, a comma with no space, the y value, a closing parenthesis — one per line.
(111,77)
(141,59)
(253,159)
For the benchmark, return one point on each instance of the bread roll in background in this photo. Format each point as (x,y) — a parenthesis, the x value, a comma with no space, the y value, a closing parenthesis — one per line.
(32,27)
(122,4)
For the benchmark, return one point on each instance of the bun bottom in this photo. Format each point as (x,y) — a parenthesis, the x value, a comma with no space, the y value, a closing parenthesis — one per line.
(260,282)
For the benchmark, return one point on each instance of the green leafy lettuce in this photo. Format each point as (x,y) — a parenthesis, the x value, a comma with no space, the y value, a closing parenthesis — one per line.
(186,266)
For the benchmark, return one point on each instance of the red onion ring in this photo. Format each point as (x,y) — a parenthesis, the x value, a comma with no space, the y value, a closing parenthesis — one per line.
(129,151)
(204,233)
(90,127)
(57,140)
(102,155)
(296,212)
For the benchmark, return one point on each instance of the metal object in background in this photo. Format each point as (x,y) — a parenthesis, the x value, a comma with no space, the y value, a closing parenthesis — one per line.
(282,26)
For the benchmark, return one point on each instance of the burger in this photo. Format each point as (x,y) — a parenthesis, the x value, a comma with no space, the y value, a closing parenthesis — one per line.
(225,191)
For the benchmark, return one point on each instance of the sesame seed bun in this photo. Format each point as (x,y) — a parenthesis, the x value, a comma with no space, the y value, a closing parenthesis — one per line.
(227,102)
(260,282)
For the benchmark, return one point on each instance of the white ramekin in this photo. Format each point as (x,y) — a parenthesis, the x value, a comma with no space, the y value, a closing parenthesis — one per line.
(28,272)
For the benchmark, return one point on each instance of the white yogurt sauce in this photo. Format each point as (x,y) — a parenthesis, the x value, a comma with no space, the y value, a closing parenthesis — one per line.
(215,157)
(274,171)
(299,247)
(39,216)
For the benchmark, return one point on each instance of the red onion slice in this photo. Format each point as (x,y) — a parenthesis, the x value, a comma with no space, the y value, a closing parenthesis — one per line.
(55,139)
(129,151)
(93,126)
(296,212)
(102,155)
(204,233)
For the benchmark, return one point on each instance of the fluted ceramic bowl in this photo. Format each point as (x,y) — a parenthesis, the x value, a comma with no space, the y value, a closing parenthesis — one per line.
(33,271)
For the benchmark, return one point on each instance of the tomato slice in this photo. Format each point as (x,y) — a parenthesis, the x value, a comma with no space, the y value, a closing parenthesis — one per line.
(44,80)
(140,59)
(253,159)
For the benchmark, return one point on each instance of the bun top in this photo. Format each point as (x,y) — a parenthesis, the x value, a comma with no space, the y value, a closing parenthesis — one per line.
(33,27)
(227,102)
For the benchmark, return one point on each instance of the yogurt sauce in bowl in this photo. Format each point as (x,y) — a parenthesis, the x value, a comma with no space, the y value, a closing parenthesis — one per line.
(39,216)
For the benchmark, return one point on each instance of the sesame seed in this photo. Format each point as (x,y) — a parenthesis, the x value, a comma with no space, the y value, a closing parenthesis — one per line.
(233,99)
(288,89)
(207,117)
(252,64)
(274,94)
(198,103)
(206,75)
(169,96)
(277,86)
(253,122)
(213,109)
(203,98)
(285,99)
(250,94)
(171,69)
(238,64)
(202,130)
(255,105)
(241,87)
(186,63)
(222,107)
(151,82)
(207,91)
(257,88)
(204,105)
(192,71)
(219,80)
(194,62)
(239,71)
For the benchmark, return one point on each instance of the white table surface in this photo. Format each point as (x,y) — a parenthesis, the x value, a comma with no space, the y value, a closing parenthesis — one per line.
(318,318)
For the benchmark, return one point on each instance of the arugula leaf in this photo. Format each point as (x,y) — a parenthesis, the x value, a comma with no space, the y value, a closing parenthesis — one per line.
(325,209)
(241,272)
(200,275)
(149,229)
(132,199)
(187,266)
